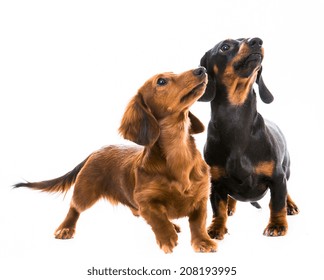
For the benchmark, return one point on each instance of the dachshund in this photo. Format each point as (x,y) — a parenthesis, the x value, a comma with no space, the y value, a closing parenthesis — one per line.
(163,180)
(247,154)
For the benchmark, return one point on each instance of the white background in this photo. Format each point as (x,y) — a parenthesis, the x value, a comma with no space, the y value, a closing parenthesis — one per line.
(67,71)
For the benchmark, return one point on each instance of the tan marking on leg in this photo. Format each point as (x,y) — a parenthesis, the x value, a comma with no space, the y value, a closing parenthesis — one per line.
(265,168)
(231,206)
(217,172)
(278,224)
(292,208)
(217,228)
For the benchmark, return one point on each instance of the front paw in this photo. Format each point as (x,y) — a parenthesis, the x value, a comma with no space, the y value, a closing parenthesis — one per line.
(216,231)
(64,233)
(204,245)
(168,242)
(275,229)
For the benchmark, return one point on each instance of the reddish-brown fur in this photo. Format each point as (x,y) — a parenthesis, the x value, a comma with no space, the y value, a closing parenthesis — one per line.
(166,179)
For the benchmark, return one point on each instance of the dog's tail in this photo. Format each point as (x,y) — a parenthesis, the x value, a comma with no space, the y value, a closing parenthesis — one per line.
(256,205)
(61,184)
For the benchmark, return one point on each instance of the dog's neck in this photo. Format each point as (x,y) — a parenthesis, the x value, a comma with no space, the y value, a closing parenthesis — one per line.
(235,122)
(177,146)
(238,89)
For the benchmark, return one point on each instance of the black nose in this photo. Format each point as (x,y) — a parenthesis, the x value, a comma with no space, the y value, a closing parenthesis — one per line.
(255,43)
(199,71)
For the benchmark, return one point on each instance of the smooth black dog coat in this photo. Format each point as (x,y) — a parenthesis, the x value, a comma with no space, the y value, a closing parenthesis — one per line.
(247,154)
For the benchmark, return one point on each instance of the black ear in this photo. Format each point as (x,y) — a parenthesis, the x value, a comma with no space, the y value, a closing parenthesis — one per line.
(210,91)
(138,124)
(265,94)
(196,125)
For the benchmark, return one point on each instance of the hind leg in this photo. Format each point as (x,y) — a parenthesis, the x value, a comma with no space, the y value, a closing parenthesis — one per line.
(83,198)
(292,208)
(67,229)
(231,206)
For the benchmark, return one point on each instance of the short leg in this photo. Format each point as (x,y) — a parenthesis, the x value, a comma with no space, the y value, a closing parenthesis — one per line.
(217,228)
(82,199)
(292,208)
(200,240)
(67,229)
(231,206)
(278,224)
(165,232)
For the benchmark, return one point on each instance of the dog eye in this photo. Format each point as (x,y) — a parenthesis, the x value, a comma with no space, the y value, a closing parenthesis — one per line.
(162,82)
(225,48)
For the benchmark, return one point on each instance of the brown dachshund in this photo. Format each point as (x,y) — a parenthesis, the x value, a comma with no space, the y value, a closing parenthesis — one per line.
(167,179)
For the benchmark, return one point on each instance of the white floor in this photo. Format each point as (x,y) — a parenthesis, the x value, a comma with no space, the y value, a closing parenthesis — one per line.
(67,71)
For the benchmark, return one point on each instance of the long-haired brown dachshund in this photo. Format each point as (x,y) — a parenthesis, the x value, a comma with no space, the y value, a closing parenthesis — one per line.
(167,179)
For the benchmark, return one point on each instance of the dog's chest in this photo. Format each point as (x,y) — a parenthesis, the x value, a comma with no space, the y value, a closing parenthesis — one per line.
(178,196)
(242,166)
(243,178)
(181,202)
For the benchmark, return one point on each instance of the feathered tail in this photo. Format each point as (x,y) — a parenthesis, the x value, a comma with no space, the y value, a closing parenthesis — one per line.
(61,184)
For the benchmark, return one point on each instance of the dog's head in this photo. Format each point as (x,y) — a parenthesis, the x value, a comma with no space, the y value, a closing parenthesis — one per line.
(160,97)
(235,65)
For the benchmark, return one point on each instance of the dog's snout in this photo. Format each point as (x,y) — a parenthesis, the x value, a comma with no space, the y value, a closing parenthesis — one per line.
(255,43)
(199,71)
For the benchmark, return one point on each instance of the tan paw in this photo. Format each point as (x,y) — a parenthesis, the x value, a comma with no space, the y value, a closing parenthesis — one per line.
(275,230)
(217,232)
(168,243)
(65,233)
(204,245)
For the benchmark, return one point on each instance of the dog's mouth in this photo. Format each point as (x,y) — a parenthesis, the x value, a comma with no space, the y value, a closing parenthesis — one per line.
(247,65)
(195,92)
(257,57)
(250,60)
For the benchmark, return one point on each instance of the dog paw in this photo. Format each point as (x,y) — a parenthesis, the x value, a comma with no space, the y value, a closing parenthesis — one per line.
(292,209)
(217,233)
(65,233)
(204,245)
(275,230)
(167,244)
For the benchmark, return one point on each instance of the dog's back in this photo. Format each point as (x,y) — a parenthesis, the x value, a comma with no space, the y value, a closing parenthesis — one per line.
(106,173)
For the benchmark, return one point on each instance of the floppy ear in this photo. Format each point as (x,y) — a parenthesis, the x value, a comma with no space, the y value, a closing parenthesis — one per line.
(265,94)
(196,125)
(210,91)
(138,124)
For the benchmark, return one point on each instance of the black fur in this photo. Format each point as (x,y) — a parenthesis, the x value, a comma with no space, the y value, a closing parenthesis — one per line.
(247,153)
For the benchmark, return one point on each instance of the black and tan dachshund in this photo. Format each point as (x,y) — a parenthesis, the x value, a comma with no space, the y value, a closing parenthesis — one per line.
(246,153)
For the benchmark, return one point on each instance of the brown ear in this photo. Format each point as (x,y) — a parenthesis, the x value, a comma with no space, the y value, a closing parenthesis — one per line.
(196,125)
(138,124)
